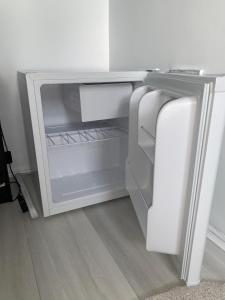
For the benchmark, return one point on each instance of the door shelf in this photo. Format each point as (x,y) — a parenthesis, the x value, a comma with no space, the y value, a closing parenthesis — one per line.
(84,136)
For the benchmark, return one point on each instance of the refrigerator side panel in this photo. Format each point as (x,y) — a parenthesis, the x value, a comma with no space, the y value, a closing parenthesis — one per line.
(32,122)
(27,121)
(33,197)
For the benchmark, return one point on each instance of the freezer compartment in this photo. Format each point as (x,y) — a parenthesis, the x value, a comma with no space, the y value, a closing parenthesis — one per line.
(104,101)
(85,102)
(86,160)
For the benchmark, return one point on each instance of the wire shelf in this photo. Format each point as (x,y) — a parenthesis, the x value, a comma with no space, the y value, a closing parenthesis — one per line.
(84,136)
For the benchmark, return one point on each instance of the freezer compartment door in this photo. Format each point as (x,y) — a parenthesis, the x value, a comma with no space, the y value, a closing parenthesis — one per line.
(102,101)
(160,147)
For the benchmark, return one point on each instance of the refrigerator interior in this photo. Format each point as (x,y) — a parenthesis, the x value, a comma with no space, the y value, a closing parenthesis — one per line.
(84,158)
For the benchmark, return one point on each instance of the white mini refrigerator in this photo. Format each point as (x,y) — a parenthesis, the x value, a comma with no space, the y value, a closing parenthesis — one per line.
(94,137)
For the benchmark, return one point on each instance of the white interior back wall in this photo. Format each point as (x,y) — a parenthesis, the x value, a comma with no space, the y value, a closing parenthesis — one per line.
(46,35)
(158,33)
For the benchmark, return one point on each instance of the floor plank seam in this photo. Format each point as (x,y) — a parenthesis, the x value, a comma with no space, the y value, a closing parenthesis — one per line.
(106,246)
(121,271)
(31,257)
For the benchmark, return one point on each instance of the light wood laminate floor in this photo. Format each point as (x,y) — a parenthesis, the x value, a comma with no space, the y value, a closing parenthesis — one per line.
(93,253)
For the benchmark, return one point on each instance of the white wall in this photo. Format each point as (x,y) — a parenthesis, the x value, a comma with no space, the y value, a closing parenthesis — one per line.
(218,208)
(46,34)
(157,33)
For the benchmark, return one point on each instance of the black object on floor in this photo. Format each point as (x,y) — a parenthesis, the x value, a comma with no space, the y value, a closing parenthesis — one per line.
(5,187)
(5,157)
(22,203)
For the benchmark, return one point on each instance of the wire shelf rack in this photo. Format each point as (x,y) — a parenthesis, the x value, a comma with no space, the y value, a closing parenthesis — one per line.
(84,136)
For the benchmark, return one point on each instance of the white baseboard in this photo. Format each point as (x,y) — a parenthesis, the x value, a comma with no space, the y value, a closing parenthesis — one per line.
(215,251)
(22,171)
(19,171)
(217,237)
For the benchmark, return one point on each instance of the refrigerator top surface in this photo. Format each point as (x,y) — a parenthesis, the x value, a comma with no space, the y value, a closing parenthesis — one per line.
(63,76)
(94,76)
